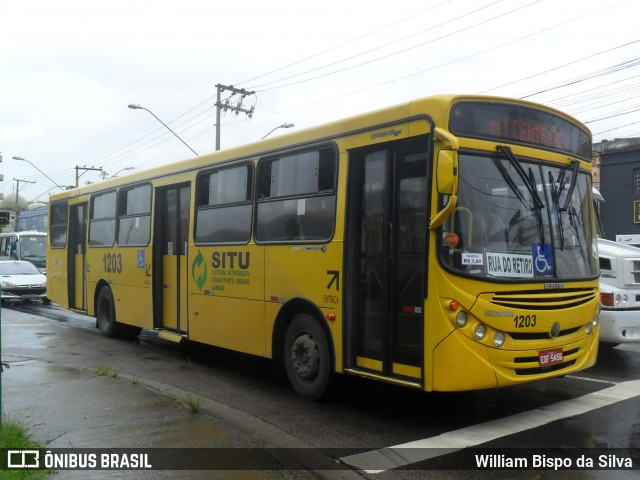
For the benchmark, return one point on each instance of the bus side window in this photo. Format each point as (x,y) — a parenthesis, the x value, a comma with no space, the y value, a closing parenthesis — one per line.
(5,247)
(296,197)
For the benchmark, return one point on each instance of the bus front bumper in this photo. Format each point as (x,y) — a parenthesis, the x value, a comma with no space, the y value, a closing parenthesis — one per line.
(463,364)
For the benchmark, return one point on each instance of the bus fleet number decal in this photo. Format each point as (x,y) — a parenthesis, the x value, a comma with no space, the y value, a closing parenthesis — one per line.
(112,262)
(524,321)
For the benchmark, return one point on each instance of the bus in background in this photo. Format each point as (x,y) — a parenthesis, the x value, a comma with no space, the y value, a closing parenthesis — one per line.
(371,246)
(30,246)
(619,288)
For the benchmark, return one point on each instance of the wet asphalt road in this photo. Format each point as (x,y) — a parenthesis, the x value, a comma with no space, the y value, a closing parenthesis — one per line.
(367,416)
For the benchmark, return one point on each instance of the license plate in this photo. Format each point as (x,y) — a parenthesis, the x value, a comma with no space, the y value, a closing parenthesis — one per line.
(550,357)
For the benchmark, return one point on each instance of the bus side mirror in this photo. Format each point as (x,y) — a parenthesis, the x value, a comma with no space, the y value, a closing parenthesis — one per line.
(446,184)
(447,172)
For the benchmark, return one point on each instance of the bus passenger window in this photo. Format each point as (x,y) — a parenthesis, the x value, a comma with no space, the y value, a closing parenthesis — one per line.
(224,208)
(134,216)
(296,197)
(102,220)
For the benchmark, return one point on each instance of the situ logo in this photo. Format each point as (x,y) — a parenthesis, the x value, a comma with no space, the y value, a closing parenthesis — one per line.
(199,270)
(23,459)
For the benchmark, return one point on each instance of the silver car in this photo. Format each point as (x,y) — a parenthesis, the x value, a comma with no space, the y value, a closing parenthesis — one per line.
(20,280)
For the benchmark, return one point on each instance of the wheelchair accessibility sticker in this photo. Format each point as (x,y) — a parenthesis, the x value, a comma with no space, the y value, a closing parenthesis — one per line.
(542,260)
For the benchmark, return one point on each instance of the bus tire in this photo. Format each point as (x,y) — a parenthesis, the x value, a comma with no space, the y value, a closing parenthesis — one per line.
(106,313)
(307,359)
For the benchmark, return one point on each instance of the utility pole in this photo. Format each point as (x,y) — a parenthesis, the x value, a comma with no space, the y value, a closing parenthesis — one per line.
(86,169)
(238,108)
(18,180)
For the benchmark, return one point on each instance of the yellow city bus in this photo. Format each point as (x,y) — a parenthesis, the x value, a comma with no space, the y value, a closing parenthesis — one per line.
(447,244)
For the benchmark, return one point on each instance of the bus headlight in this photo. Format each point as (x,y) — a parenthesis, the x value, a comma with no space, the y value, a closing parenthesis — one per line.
(461,319)
(480,331)
(596,321)
(498,339)
(588,328)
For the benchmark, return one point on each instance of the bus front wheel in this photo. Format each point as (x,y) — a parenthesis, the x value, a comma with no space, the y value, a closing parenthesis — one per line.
(106,313)
(307,359)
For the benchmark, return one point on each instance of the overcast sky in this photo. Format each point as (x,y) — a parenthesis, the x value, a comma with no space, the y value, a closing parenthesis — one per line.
(68,70)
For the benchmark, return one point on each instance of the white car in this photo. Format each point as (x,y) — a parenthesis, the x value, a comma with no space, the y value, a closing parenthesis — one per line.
(20,280)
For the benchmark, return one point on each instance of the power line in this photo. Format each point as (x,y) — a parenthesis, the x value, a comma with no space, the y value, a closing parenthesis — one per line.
(389,44)
(611,116)
(410,17)
(393,53)
(129,153)
(560,66)
(617,128)
(598,73)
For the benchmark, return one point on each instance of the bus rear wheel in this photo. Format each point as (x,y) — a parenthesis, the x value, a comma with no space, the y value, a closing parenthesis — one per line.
(307,359)
(106,313)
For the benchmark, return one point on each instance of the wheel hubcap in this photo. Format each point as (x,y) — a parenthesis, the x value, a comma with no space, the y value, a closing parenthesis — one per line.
(304,357)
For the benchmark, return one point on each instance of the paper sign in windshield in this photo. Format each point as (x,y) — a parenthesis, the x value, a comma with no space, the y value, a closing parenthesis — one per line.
(509,265)
(472,258)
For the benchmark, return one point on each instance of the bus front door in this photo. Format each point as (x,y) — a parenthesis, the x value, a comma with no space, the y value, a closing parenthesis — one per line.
(171,229)
(386,262)
(76,268)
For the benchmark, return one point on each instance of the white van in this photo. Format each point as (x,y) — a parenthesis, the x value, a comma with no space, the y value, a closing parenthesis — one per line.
(619,290)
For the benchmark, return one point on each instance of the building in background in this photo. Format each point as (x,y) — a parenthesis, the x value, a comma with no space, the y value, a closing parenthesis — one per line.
(617,176)
(35,219)
(11,207)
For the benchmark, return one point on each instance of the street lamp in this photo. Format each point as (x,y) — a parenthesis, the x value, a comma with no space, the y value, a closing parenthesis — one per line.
(284,125)
(121,170)
(140,107)
(50,179)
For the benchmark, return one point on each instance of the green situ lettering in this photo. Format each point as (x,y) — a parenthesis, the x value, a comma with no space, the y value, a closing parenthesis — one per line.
(231,260)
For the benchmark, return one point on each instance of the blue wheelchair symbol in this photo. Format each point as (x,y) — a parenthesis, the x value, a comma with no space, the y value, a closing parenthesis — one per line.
(141,261)
(542,259)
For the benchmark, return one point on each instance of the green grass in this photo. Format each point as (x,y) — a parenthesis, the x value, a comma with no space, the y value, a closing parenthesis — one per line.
(106,371)
(193,404)
(14,435)
(167,396)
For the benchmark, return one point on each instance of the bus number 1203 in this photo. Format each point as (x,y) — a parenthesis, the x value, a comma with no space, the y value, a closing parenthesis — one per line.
(525,321)
(112,262)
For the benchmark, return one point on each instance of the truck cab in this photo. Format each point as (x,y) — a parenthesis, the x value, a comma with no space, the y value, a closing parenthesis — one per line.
(619,289)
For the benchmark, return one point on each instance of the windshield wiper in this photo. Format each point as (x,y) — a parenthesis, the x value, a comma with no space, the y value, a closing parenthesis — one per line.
(512,185)
(529,183)
(32,255)
(575,167)
(527,180)
(555,198)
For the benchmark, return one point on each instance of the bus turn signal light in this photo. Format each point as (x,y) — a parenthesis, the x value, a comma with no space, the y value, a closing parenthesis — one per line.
(606,299)
(331,317)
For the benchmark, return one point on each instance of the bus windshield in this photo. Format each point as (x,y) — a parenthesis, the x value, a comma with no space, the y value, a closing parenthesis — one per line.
(33,247)
(519,219)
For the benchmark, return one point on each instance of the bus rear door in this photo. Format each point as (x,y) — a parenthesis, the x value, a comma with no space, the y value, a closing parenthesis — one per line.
(76,267)
(171,230)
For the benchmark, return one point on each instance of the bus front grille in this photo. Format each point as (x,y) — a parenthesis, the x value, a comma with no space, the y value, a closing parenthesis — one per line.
(541,335)
(539,370)
(545,300)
